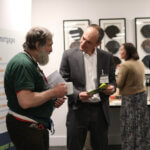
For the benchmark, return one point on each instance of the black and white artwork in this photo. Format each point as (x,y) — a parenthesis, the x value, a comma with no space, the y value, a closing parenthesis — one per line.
(142,34)
(73,30)
(114,35)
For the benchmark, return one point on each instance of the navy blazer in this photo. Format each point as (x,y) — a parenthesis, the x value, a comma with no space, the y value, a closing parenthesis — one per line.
(72,70)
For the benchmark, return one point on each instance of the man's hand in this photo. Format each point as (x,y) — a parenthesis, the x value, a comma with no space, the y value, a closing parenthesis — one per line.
(110,89)
(60,90)
(84,96)
(59,101)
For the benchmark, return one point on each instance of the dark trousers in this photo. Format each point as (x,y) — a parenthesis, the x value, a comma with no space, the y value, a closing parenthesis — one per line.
(25,136)
(87,117)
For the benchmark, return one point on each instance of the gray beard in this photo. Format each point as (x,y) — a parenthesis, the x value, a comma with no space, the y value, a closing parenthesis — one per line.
(42,58)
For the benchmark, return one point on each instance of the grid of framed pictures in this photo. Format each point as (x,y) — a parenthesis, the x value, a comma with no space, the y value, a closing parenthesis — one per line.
(114,36)
(142,34)
(73,30)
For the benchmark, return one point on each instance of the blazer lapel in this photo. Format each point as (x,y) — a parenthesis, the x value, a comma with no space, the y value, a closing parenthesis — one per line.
(99,65)
(80,62)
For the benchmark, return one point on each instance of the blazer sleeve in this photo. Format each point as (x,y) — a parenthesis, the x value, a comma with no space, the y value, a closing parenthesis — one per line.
(65,71)
(112,77)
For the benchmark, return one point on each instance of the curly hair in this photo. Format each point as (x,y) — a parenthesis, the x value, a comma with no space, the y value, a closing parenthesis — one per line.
(36,34)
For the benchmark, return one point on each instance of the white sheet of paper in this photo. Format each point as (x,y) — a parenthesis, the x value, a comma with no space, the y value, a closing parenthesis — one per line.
(54,79)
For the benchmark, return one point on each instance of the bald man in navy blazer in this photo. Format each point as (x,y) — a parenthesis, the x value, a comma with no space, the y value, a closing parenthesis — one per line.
(85,66)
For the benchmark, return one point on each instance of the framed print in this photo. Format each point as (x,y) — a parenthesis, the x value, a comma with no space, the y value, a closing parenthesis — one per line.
(73,30)
(114,36)
(147,83)
(142,36)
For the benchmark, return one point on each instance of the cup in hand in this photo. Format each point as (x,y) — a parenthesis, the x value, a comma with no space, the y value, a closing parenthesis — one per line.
(69,88)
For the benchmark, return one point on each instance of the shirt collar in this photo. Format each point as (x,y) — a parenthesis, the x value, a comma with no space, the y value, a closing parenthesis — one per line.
(32,58)
(95,53)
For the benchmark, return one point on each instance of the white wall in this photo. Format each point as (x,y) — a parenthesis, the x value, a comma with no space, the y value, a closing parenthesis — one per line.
(51,13)
(15,20)
(15,14)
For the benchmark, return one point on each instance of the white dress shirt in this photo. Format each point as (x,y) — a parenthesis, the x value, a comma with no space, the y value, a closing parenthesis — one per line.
(90,63)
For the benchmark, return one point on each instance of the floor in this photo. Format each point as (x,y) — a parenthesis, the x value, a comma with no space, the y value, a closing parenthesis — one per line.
(58,148)
(111,147)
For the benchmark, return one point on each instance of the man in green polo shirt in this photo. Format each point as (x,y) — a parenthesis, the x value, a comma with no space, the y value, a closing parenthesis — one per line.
(30,102)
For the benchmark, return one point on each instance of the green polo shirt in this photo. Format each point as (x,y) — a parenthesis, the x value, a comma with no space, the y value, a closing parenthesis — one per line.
(22,73)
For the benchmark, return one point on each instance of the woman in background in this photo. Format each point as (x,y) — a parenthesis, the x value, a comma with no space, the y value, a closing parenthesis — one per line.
(134,110)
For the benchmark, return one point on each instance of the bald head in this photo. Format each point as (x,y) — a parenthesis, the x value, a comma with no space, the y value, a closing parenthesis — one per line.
(99,30)
(92,34)
(91,39)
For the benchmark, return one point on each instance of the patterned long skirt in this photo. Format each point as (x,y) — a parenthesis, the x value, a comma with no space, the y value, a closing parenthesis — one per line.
(135,122)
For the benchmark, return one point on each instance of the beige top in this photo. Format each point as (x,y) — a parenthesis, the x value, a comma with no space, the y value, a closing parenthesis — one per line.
(130,79)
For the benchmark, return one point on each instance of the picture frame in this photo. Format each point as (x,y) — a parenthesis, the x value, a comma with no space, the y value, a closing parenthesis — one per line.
(147,83)
(142,38)
(114,36)
(73,30)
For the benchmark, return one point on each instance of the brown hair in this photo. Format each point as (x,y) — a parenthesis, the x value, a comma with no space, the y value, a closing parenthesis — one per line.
(131,51)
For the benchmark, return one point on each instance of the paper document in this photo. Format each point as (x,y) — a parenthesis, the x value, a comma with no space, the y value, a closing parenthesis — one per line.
(54,79)
(101,88)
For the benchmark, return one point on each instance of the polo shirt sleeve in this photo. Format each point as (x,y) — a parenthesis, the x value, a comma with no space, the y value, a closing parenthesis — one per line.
(23,78)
